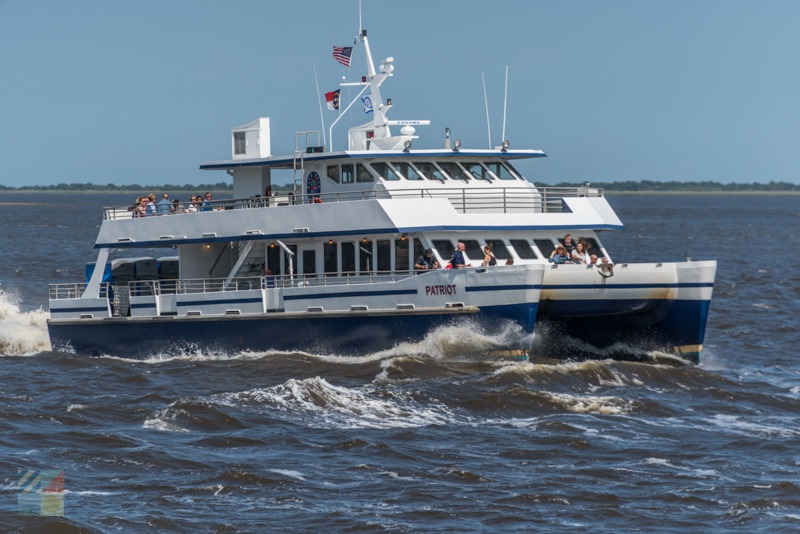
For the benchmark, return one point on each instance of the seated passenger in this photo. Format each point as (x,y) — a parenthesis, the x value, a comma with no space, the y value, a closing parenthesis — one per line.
(177,207)
(151,205)
(593,259)
(192,204)
(488,258)
(425,261)
(560,255)
(141,209)
(579,254)
(207,204)
(163,206)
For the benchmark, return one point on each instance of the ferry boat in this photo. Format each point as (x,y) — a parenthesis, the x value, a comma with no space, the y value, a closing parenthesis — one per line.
(330,266)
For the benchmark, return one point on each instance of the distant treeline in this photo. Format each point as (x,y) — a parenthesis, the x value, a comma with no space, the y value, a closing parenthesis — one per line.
(221,186)
(646,185)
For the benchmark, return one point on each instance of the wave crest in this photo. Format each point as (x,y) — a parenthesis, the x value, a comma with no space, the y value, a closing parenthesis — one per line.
(22,333)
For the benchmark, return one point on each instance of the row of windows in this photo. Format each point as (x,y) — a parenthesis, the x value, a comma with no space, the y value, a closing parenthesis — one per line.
(379,257)
(347,173)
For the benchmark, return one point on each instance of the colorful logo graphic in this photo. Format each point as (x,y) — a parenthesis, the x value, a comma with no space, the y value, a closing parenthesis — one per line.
(313,185)
(40,492)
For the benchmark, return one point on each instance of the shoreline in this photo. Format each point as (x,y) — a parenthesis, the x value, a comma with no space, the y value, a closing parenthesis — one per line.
(228,192)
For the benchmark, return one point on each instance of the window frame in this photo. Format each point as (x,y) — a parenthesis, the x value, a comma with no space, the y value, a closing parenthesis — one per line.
(328,172)
(389,168)
(496,253)
(530,248)
(422,173)
(236,142)
(444,257)
(352,173)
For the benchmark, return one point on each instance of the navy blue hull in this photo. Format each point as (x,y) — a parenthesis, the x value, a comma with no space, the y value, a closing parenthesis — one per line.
(641,324)
(340,334)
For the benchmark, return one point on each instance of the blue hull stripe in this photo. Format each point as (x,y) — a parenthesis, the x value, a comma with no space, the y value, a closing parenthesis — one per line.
(626,286)
(221,301)
(351,294)
(502,288)
(68,310)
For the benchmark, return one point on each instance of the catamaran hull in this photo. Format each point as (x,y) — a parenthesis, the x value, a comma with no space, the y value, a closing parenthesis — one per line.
(642,307)
(347,333)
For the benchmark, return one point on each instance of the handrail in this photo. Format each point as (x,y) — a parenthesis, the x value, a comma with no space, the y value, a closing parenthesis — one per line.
(463,199)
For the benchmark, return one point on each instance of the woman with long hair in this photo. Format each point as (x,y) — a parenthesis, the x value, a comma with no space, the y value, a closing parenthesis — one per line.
(580,254)
(488,259)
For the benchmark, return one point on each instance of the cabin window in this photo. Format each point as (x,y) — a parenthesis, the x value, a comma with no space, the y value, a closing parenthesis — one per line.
(453,171)
(473,249)
(239,143)
(477,171)
(363,174)
(385,255)
(274,258)
(333,173)
(365,256)
(419,249)
(407,171)
(594,246)
(347,173)
(401,254)
(523,249)
(348,257)
(500,171)
(309,261)
(384,171)
(330,257)
(499,249)
(515,171)
(545,246)
(444,248)
(429,171)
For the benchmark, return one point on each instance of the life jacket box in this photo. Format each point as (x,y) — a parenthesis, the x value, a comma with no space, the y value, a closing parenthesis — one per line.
(169,267)
(107,277)
(122,270)
(146,269)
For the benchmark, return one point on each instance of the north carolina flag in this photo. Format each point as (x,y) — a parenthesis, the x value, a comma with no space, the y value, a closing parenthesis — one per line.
(332,99)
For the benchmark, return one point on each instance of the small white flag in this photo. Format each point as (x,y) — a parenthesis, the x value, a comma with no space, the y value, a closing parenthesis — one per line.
(367,100)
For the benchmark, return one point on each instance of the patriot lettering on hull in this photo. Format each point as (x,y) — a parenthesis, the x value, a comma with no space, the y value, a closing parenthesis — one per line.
(440,290)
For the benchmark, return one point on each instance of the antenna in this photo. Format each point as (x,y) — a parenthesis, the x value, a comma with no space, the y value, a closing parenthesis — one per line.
(319,99)
(359,17)
(485,99)
(505,102)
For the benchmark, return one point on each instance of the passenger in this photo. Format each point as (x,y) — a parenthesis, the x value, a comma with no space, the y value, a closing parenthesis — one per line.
(151,205)
(425,261)
(270,278)
(488,259)
(141,208)
(593,259)
(163,206)
(510,261)
(568,244)
(457,261)
(579,254)
(177,207)
(560,255)
(207,204)
(192,204)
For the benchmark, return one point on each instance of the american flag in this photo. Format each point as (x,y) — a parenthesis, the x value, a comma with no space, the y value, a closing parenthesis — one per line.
(342,54)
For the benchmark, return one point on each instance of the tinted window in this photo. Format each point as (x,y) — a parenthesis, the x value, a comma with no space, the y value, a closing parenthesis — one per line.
(401,254)
(477,171)
(384,171)
(348,257)
(500,171)
(429,171)
(363,175)
(498,249)
(309,261)
(407,171)
(473,250)
(546,246)
(333,173)
(347,174)
(365,256)
(514,170)
(453,171)
(523,249)
(274,258)
(444,248)
(329,251)
(418,248)
(384,255)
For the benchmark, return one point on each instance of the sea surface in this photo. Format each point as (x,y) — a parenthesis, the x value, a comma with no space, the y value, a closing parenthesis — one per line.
(418,438)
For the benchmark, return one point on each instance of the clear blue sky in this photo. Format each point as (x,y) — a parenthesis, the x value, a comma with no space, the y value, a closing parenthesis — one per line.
(142,92)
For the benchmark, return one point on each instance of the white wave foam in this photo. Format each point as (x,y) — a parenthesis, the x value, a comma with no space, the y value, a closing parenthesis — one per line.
(164,420)
(76,407)
(341,407)
(21,333)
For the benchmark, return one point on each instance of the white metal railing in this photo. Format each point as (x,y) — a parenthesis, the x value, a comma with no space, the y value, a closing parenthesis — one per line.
(74,290)
(493,199)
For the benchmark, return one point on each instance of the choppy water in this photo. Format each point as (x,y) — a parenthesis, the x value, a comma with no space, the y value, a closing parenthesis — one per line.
(418,438)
